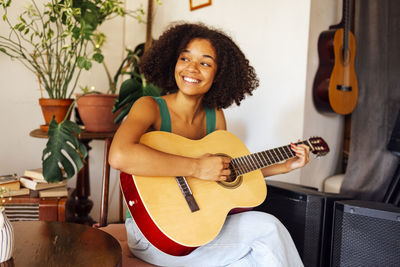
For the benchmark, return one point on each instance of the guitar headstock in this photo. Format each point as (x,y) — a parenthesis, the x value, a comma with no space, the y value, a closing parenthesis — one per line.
(318,146)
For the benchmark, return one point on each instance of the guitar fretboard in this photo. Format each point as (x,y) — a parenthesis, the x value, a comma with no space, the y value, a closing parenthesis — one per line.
(252,162)
(346,24)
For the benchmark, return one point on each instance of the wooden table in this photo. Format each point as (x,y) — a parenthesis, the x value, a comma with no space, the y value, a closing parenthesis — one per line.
(40,243)
(84,204)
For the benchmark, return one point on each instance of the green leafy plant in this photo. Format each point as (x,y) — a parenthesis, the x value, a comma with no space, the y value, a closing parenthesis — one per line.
(56,42)
(63,150)
(60,40)
(134,87)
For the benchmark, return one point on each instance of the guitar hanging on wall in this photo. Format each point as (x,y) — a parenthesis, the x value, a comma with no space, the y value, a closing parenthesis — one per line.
(335,87)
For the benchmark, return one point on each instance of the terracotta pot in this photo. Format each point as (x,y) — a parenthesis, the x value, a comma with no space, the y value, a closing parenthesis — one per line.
(95,112)
(54,107)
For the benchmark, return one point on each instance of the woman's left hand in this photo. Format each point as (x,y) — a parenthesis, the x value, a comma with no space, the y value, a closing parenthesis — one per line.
(301,159)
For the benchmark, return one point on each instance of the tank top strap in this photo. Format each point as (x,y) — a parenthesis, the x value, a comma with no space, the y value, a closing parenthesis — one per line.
(210,119)
(164,113)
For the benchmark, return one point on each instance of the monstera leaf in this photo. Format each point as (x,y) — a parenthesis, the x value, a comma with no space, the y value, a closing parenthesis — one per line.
(63,151)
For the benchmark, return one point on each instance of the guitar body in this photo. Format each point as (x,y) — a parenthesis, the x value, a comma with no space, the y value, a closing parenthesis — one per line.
(343,85)
(323,76)
(160,209)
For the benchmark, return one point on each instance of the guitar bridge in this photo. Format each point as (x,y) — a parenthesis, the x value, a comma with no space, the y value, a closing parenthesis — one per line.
(187,193)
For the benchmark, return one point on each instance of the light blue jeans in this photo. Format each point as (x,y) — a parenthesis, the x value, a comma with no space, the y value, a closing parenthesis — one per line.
(247,239)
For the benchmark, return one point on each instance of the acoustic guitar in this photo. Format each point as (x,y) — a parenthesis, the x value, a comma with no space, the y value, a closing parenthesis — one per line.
(335,87)
(179,214)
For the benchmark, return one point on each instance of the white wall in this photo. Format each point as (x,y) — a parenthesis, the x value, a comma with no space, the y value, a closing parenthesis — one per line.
(275,37)
(330,126)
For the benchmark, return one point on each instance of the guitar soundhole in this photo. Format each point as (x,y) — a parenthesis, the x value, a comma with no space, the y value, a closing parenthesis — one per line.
(233,181)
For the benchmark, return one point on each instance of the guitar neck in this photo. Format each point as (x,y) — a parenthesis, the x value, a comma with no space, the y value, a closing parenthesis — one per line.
(346,24)
(259,160)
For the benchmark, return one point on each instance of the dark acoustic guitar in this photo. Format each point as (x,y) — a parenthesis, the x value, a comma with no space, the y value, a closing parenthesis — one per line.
(335,87)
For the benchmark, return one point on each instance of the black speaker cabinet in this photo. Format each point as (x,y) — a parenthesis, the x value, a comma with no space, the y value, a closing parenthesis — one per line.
(365,234)
(307,214)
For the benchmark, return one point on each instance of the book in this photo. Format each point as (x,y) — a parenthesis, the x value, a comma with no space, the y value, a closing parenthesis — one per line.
(9,182)
(14,193)
(35,185)
(36,174)
(54,192)
(8,178)
(16,185)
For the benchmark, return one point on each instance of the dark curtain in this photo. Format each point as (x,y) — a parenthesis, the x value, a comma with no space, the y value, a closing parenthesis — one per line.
(371,166)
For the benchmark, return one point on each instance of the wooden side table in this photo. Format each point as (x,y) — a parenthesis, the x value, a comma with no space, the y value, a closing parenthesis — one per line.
(83,204)
(43,209)
(40,243)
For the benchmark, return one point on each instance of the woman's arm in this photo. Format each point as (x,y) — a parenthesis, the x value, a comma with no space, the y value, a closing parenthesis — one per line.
(128,155)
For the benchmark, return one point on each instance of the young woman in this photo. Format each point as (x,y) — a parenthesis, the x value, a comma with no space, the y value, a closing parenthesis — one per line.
(201,71)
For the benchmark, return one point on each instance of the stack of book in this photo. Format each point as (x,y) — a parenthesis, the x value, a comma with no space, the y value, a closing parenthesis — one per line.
(11,186)
(33,179)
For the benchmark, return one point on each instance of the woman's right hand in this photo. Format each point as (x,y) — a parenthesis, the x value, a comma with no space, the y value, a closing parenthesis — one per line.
(212,167)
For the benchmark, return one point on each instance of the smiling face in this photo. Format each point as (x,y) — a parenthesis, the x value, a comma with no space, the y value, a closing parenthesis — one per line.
(196,67)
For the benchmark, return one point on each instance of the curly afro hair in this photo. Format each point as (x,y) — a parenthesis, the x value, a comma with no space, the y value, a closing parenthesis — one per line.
(234,78)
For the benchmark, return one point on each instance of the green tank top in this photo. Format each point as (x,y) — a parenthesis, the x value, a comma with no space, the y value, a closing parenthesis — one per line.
(166,122)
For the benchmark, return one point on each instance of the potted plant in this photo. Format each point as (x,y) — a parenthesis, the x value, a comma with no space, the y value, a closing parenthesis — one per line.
(134,87)
(63,135)
(95,109)
(56,43)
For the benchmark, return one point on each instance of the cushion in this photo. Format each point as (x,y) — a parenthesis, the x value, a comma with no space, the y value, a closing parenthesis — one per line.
(332,184)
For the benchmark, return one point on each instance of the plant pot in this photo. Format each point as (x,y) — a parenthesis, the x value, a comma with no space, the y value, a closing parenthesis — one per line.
(53,107)
(6,237)
(95,112)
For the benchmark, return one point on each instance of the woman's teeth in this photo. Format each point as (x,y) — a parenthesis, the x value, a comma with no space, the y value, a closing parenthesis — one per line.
(191,80)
